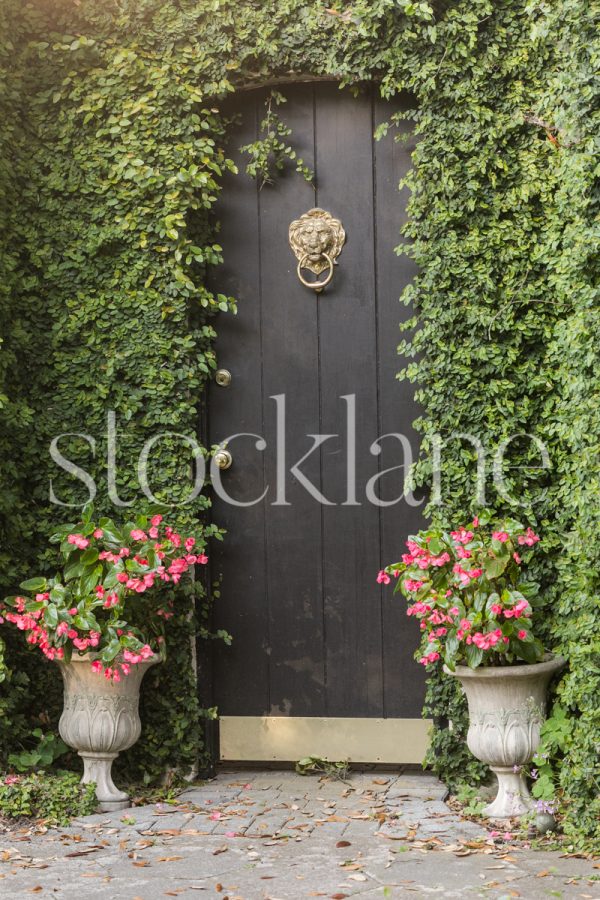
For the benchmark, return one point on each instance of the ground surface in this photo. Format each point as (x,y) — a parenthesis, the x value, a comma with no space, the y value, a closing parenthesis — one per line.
(281,836)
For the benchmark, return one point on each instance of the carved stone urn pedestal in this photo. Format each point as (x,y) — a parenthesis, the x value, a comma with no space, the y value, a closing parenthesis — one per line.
(100,719)
(507,705)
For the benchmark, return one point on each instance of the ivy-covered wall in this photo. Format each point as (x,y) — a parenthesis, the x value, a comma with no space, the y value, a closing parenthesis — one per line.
(112,156)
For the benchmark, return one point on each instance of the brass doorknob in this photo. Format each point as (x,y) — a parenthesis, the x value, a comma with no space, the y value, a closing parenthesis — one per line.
(223,459)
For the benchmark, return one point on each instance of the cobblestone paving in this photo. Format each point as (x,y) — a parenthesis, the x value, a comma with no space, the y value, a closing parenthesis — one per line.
(280,836)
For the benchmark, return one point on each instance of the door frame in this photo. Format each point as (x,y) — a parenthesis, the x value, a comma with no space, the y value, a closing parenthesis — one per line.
(282,738)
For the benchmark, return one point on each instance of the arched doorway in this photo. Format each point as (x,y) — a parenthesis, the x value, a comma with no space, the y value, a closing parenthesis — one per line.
(322,658)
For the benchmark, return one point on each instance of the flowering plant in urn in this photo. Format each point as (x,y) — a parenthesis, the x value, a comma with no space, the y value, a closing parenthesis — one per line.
(466,587)
(102,620)
(108,602)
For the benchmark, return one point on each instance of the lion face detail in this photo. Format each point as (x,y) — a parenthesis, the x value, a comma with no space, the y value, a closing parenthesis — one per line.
(315,234)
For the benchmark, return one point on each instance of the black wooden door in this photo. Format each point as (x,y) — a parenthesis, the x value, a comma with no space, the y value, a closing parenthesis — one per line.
(314,635)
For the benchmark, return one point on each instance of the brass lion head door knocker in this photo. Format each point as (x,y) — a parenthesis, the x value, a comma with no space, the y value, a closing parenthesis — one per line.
(317,240)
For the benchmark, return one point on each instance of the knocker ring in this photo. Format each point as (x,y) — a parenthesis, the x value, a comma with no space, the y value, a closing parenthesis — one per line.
(316,286)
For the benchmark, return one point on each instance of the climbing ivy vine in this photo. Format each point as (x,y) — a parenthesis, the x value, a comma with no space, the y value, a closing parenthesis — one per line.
(112,157)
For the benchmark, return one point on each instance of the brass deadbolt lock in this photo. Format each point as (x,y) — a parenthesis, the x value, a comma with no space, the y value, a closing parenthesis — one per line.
(223,377)
(223,459)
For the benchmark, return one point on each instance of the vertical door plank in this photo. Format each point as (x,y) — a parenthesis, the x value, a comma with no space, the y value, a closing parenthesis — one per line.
(290,366)
(241,670)
(348,349)
(403,678)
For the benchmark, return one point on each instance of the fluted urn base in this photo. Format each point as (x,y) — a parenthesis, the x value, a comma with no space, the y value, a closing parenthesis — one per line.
(100,719)
(513,797)
(507,706)
(97,769)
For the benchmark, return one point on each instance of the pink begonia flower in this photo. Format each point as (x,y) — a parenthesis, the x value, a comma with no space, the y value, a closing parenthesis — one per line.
(153,532)
(99,590)
(522,634)
(462,536)
(12,779)
(155,521)
(231,834)
(98,533)
(383,578)
(78,540)
(215,816)
(137,534)
(412,585)
(476,522)
(463,553)
(189,543)
(62,628)
(71,633)
(517,558)
(96,666)
(501,536)
(124,551)
(202,559)
(496,609)
(529,538)
(41,598)
(440,560)
(123,577)
(453,610)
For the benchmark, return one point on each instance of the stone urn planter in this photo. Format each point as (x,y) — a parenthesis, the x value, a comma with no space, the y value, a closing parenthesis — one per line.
(100,719)
(507,705)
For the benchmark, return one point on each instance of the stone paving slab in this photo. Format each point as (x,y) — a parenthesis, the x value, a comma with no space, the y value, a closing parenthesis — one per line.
(281,836)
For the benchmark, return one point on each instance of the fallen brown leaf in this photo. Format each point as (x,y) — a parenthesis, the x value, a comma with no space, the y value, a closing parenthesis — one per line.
(222,849)
(343,844)
(169,858)
(84,851)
